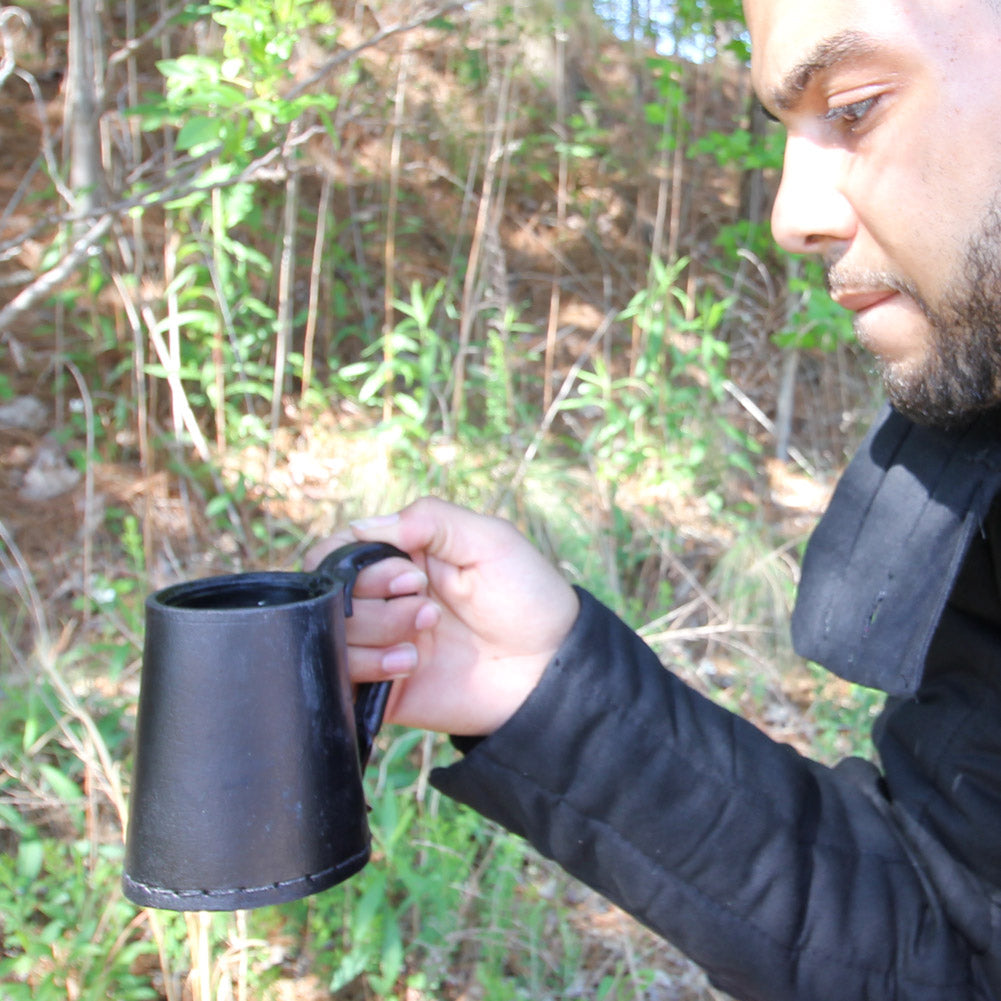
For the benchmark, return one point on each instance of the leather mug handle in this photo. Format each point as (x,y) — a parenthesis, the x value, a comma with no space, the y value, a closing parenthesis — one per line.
(342,566)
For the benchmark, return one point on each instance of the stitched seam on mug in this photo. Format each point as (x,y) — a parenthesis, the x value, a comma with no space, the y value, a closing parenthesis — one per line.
(279,885)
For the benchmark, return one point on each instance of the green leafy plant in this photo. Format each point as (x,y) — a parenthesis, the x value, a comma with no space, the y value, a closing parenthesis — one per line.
(228,109)
(66,930)
(817,322)
(661,420)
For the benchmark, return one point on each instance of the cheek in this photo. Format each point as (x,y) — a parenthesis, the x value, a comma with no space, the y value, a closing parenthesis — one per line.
(958,182)
(900,196)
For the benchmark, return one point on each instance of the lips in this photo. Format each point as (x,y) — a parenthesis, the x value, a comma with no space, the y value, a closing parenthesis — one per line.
(858,301)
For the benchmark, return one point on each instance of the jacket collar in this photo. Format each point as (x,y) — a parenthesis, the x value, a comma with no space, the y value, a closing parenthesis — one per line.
(882,561)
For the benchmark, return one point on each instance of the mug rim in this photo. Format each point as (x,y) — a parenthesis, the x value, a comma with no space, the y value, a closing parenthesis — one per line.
(311,588)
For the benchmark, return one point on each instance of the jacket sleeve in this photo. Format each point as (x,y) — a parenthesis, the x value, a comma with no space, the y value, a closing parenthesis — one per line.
(786,880)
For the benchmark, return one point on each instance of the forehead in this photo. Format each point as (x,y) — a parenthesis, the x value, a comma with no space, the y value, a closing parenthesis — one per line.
(792,35)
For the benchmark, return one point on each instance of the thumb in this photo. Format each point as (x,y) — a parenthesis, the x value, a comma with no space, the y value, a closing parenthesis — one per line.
(452,534)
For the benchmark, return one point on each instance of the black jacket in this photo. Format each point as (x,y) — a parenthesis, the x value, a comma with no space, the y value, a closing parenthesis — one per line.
(787,880)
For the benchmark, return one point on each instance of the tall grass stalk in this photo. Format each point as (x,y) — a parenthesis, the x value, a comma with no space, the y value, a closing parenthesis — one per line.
(392,208)
(486,216)
(315,286)
(563,170)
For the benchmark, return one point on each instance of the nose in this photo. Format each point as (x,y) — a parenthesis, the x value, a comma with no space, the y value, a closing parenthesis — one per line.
(811,211)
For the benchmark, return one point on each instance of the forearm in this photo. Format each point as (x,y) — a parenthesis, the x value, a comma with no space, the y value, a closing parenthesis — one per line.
(784,879)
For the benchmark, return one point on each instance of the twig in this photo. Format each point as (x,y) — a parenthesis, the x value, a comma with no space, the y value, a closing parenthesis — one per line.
(47,151)
(46,283)
(141,397)
(156,927)
(389,252)
(286,296)
(261,169)
(561,201)
(130,47)
(172,375)
(498,149)
(765,421)
(688,633)
(7,59)
(104,766)
(200,977)
(244,962)
(88,502)
(315,283)
(380,36)
(25,584)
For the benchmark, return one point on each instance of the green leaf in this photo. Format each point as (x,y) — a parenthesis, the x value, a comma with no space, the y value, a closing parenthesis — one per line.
(202,318)
(352,966)
(62,785)
(52,932)
(372,902)
(199,131)
(391,964)
(30,857)
(373,384)
(217,505)
(354,370)
(187,67)
(410,407)
(30,734)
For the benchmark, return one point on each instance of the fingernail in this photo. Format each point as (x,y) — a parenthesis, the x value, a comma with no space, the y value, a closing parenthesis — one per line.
(401,660)
(375,522)
(409,582)
(427,617)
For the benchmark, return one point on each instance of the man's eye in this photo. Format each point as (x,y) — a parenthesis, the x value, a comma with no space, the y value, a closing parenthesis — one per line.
(850,115)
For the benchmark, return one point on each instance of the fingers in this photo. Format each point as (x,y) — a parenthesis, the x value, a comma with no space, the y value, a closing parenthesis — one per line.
(382,664)
(470,624)
(385,579)
(483,572)
(453,534)
(383,636)
(378,623)
(390,578)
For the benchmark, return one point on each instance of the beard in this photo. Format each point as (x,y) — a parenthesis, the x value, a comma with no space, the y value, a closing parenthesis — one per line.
(960,378)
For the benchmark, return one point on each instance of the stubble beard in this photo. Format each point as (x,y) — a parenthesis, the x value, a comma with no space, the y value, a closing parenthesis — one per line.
(960,378)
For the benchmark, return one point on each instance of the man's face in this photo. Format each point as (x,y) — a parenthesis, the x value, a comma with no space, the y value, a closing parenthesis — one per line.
(893,174)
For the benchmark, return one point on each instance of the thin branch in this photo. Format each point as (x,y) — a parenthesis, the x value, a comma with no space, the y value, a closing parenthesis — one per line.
(261,169)
(89,504)
(562,131)
(389,247)
(137,43)
(470,287)
(315,286)
(767,423)
(283,332)
(47,151)
(24,581)
(163,355)
(380,36)
(46,283)
(7,59)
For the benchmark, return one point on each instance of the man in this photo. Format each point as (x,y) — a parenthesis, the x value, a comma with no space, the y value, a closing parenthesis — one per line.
(787,880)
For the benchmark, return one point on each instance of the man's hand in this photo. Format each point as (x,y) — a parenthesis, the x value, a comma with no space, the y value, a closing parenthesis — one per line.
(473,622)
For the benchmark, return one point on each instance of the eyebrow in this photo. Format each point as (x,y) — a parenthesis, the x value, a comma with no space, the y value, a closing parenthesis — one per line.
(841,49)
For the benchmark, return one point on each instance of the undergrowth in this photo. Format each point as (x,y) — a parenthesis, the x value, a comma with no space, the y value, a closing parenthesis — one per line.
(449,907)
(225,345)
